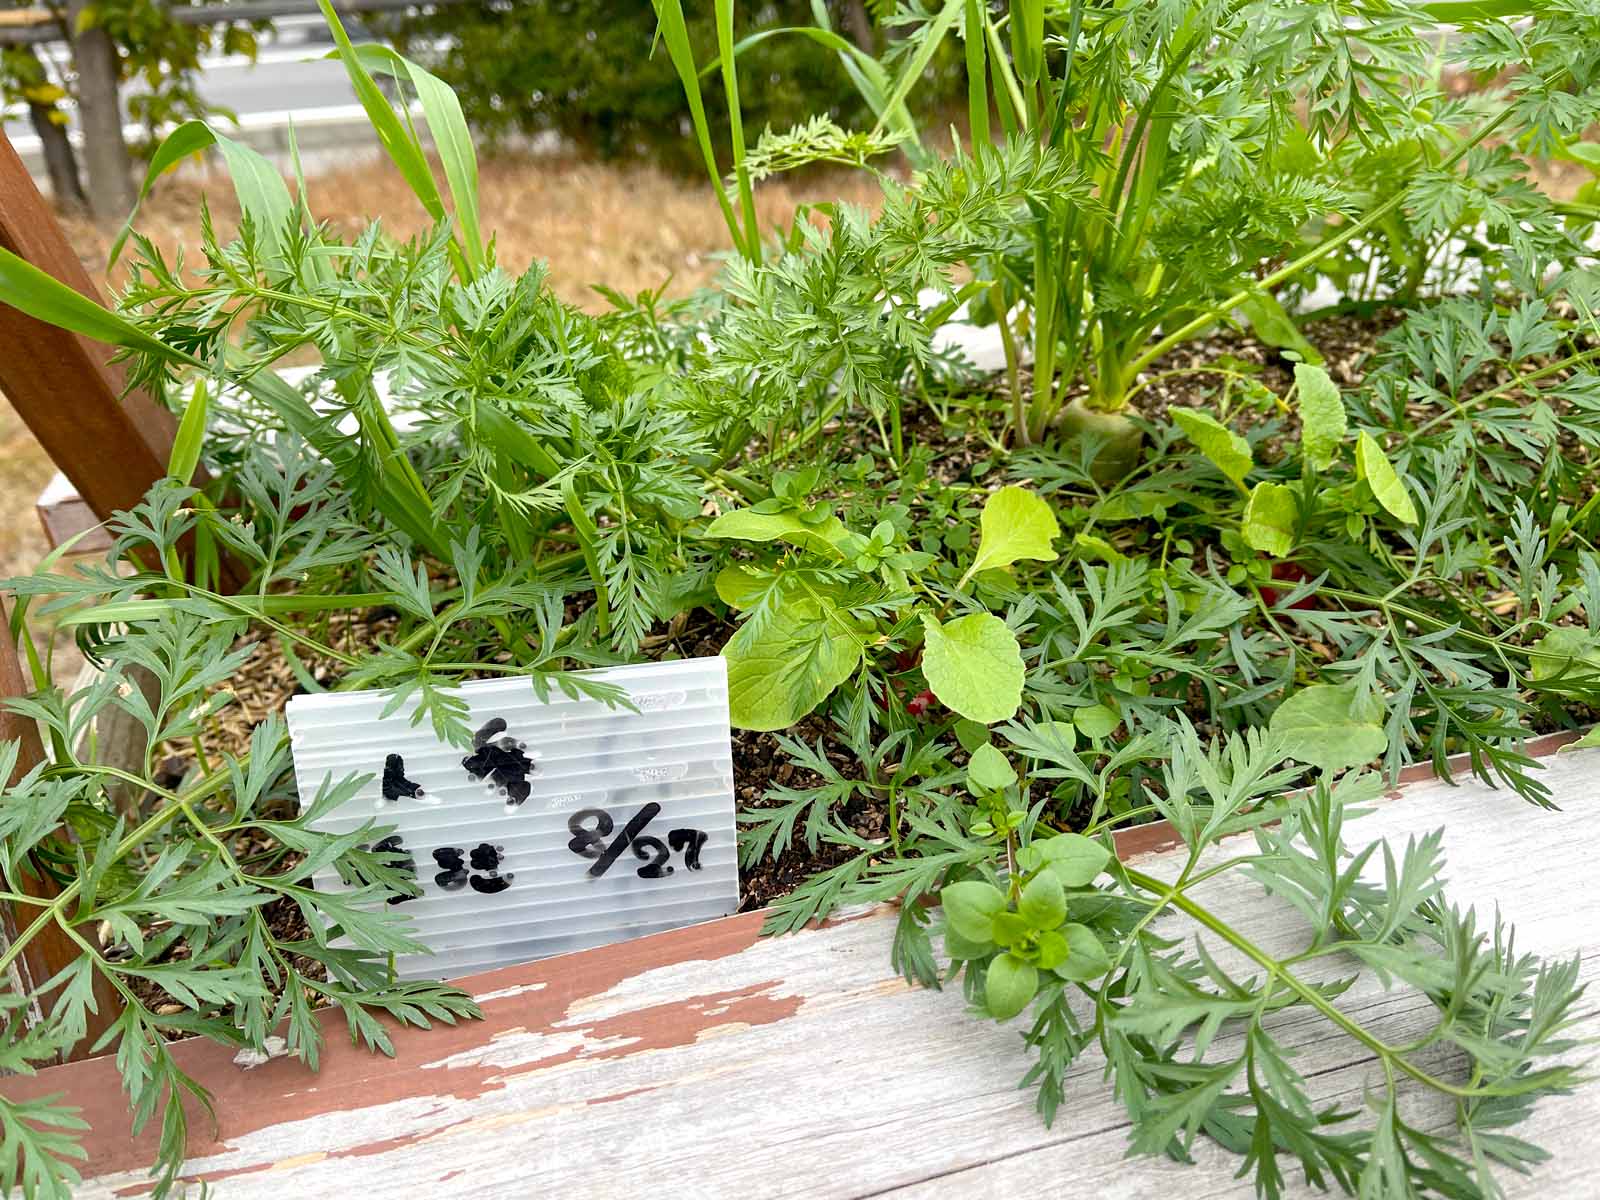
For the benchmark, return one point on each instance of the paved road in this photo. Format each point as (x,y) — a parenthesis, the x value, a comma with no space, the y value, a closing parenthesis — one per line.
(289,75)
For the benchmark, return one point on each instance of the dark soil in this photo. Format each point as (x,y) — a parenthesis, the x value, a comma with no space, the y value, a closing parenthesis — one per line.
(759,765)
(1345,343)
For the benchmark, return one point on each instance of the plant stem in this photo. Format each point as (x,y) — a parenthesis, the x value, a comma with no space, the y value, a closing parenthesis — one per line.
(1494,393)
(730,85)
(1276,970)
(1310,257)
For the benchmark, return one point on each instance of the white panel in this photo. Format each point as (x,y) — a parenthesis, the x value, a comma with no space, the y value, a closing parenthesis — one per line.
(515,889)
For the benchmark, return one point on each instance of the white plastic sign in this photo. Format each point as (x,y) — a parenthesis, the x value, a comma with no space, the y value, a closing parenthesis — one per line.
(569,824)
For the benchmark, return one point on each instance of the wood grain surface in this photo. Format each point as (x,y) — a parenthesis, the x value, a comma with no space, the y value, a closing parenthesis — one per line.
(710,1062)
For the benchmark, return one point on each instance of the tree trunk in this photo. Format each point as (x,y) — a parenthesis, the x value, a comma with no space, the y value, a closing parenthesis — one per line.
(111,193)
(855,16)
(66,186)
(59,160)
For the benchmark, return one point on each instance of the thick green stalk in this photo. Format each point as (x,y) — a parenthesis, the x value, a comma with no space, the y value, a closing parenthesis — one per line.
(674,33)
(977,75)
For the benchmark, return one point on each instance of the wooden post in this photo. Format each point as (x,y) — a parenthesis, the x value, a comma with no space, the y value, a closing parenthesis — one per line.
(63,385)
(49,950)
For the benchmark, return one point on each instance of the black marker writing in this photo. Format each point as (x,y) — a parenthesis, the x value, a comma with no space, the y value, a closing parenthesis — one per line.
(485,858)
(504,764)
(590,827)
(395,783)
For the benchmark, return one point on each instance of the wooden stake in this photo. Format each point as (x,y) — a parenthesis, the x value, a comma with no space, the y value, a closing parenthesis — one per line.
(63,385)
(50,949)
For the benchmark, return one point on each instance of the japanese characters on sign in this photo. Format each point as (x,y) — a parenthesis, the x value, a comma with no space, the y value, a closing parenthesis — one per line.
(567,824)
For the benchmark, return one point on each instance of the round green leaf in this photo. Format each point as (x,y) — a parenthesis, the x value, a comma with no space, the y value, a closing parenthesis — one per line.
(970,908)
(988,770)
(1010,929)
(748,525)
(1322,417)
(1072,858)
(739,587)
(1009,986)
(964,949)
(1044,902)
(1086,957)
(1050,951)
(1270,517)
(781,669)
(1229,452)
(971,735)
(974,666)
(1015,524)
(1095,721)
(1332,726)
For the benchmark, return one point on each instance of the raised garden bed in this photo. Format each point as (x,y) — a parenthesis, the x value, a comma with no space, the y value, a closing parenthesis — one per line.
(980,628)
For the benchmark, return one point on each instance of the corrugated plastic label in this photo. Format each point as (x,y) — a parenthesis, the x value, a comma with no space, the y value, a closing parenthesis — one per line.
(568,824)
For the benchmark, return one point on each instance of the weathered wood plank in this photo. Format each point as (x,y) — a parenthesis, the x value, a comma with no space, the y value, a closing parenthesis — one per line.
(64,514)
(627,1067)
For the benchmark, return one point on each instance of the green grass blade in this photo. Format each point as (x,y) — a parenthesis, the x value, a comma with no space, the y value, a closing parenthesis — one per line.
(865,73)
(399,141)
(1464,12)
(674,32)
(441,111)
(185,455)
(393,495)
(932,34)
(730,87)
(256,182)
(977,75)
(504,436)
(1027,39)
(46,298)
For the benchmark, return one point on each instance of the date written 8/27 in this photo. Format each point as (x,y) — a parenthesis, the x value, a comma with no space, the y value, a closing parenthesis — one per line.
(591,829)
(505,766)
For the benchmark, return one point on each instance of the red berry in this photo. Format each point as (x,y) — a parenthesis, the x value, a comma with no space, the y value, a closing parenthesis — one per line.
(1288,572)
(920,703)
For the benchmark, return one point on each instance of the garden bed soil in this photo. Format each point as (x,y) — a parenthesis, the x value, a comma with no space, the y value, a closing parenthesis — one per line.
(266,681)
